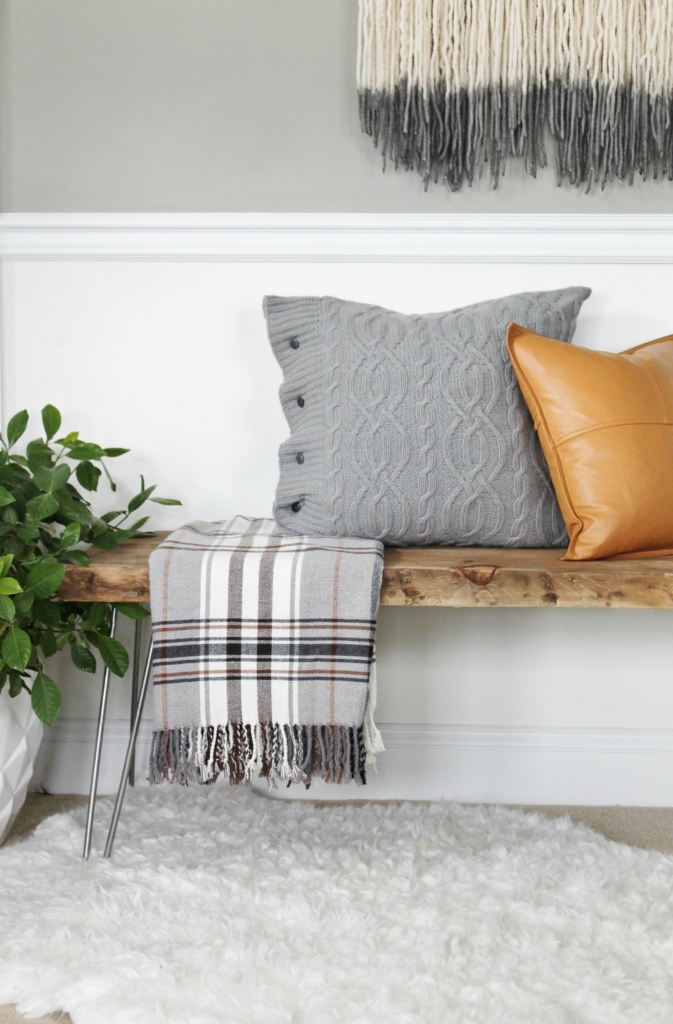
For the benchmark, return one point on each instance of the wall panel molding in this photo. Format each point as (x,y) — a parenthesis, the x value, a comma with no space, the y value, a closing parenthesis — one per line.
(470,764)
(77,287)
(287,237)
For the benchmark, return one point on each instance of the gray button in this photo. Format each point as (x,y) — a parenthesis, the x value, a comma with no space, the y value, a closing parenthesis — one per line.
(300,402)
(295,506)
(294,342)
(300,458)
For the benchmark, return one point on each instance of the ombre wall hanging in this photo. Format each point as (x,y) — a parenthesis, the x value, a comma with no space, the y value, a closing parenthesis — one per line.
(454,87)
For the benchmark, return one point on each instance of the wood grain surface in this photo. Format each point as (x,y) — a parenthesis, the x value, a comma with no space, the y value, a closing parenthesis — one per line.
(433,577)
(522,578)
(119,575)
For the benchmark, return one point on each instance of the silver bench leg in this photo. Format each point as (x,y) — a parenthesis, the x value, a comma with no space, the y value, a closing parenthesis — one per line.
(135,680)
(95,770)
(129,753)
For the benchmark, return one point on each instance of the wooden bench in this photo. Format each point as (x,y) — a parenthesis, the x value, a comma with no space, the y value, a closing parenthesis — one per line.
(432,577)
(420,577)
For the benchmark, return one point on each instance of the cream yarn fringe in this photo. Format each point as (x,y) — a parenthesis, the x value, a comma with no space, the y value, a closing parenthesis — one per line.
(449,86)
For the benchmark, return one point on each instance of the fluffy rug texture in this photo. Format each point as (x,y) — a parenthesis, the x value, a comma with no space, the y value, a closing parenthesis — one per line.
(223,906)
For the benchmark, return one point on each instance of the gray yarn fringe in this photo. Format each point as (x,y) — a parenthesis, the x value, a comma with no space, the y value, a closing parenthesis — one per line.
(290,753)
(600,134)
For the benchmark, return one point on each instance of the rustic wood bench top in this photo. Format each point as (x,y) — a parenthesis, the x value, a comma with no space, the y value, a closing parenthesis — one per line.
(433,577)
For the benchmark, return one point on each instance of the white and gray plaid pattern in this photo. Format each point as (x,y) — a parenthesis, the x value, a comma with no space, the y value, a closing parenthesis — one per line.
(263,650)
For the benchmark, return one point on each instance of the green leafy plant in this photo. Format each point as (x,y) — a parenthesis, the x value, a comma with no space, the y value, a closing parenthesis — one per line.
(45,523)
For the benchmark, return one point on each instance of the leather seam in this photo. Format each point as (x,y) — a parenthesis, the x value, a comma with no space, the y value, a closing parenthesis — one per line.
(656,388)
(610,423)
(559,465)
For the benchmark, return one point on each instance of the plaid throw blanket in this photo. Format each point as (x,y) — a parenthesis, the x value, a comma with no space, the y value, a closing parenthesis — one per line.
(263,650)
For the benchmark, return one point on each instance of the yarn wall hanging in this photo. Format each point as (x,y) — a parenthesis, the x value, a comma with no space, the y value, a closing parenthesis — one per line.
(453,87)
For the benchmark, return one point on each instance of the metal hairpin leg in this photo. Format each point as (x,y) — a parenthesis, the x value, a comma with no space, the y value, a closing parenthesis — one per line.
(97,751)
(129,753)
(137,641)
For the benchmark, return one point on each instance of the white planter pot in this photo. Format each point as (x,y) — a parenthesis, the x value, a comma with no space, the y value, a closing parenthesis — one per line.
(20,738)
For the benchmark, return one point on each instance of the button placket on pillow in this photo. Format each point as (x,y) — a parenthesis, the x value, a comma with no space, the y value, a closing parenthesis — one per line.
(296,505)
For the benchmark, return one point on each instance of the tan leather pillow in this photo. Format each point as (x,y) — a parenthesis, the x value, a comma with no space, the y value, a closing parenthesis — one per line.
(606,427)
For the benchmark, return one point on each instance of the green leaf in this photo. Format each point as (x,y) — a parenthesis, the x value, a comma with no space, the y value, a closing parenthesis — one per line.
(113,486)
(166,501)
(15,684)
(5,497)
(28,532)
(5,562)
(114,453)
(68,439)
(97,613)
(51,421)
(88,475)
(81,450)
(49,613)
(76,557)
(7,609)
(110,539)
(16,649)
(42,507)
(48,644)
(10,516)
(8,585)
(83,658)
(13,546)
(74,509)
(112,652)
(24,602)
(109,516)
(45,578)
(39,454)
(64,638)
(19,460)
(141,497)
(138,524)
(132,611)
(70,536)
(51,480)
(16,427)
(45,697)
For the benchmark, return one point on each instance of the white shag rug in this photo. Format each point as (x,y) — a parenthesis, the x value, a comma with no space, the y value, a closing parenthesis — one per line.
(223,907)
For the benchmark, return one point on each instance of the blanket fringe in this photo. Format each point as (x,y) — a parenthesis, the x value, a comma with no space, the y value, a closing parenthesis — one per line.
(291,753)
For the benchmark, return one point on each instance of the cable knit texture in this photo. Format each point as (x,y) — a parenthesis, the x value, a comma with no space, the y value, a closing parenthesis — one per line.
(412,429)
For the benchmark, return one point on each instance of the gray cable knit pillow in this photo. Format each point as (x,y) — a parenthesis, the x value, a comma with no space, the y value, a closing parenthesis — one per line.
(412,429)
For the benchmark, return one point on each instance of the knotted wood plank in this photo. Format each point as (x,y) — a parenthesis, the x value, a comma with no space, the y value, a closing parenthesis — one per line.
(432,577)
(522,578)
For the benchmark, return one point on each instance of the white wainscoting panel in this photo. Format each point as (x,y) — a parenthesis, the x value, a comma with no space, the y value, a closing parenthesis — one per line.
(470,764)
(147,332)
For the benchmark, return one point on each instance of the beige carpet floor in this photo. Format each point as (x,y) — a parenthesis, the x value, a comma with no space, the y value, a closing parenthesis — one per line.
(650,828)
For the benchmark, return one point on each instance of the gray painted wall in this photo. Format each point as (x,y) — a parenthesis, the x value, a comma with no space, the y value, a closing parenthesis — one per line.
(229,105)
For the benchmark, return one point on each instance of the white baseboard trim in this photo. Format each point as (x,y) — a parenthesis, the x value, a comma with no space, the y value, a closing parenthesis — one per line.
(294,237)
(470,764)
(64,762)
